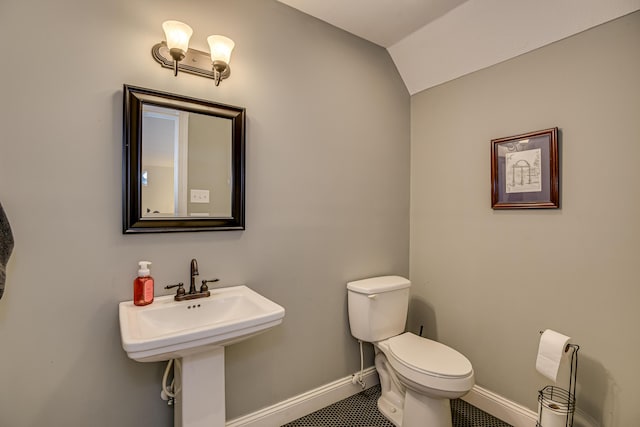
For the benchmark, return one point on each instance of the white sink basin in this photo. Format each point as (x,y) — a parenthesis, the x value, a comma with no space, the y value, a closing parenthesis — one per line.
(168,329)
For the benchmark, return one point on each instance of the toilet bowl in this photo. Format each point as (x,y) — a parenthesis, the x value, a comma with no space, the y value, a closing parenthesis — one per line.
(418,376)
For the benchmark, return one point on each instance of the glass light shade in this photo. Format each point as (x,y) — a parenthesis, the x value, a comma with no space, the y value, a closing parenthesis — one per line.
(177,34)
(220,47)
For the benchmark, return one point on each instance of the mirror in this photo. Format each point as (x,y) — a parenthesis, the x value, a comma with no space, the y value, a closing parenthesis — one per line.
(183,163)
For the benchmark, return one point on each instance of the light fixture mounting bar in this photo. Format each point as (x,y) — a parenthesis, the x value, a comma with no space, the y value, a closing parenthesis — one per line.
(195,61)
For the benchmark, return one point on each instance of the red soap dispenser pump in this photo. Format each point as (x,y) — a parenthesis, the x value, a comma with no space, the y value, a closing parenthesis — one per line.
(143,285)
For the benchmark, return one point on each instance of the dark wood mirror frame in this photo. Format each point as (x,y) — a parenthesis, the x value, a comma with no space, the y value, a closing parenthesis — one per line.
(133,220)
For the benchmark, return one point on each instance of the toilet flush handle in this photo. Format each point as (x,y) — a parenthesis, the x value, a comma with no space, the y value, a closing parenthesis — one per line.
(373,296)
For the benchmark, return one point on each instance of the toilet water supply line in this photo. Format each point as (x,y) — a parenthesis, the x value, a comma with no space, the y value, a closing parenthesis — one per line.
(168,393)
(359,378)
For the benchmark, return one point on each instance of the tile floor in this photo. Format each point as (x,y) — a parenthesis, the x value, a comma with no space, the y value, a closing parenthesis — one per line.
(360,410)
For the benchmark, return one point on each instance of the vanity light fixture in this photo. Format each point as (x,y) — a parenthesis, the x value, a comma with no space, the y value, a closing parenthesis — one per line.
(177,34)
(220,47)
(175,53)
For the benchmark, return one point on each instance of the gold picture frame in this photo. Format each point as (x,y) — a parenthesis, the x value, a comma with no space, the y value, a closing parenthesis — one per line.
(525,171)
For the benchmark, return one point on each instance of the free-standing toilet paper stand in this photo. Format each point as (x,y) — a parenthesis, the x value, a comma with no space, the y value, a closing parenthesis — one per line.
(557,405)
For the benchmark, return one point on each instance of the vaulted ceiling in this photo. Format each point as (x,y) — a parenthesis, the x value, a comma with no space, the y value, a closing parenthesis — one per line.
(434,41)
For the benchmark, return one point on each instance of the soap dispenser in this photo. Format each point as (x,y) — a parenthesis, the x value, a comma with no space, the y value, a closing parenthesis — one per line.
(143,285)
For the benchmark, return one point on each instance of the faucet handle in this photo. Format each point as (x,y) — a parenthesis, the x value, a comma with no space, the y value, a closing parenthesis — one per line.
(204,287)
(180,291)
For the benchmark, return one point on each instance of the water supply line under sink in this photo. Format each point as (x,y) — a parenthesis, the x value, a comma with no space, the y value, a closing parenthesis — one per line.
(169,392)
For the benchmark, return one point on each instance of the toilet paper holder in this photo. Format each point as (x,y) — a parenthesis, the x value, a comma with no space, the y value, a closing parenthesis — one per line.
(557,405)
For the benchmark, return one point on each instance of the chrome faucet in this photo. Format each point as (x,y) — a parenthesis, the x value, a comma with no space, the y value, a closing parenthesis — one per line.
(193,293)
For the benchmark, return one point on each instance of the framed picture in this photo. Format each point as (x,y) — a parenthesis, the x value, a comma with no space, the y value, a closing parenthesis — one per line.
(525,171)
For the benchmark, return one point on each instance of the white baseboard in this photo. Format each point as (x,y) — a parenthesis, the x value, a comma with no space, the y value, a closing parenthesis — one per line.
(305,403)
(504,409)
(513,413)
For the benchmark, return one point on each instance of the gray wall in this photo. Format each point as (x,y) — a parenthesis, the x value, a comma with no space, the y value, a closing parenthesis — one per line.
(327,200)
(209,164)
(487,281)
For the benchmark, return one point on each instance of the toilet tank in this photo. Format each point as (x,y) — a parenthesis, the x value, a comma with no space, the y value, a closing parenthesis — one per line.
(378,307)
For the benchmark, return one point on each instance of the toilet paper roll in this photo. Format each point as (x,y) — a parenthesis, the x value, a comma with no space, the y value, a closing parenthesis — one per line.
(551,353)
(555,415)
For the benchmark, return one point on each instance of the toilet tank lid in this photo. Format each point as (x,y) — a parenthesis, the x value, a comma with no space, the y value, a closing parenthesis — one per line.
(376,285)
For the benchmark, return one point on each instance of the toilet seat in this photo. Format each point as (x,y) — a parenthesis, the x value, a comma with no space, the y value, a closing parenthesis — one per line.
(429,357)
(428,363)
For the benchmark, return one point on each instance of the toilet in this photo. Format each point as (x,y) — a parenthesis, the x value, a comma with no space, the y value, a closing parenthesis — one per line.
(418,376)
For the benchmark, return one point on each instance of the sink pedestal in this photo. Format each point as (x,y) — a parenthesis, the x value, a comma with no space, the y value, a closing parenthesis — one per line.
(200,383)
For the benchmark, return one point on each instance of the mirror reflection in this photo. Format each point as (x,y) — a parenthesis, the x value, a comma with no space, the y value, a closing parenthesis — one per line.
(186,164)
(183,163)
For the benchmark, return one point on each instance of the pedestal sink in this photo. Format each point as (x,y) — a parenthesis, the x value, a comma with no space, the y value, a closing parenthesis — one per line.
(196,332)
